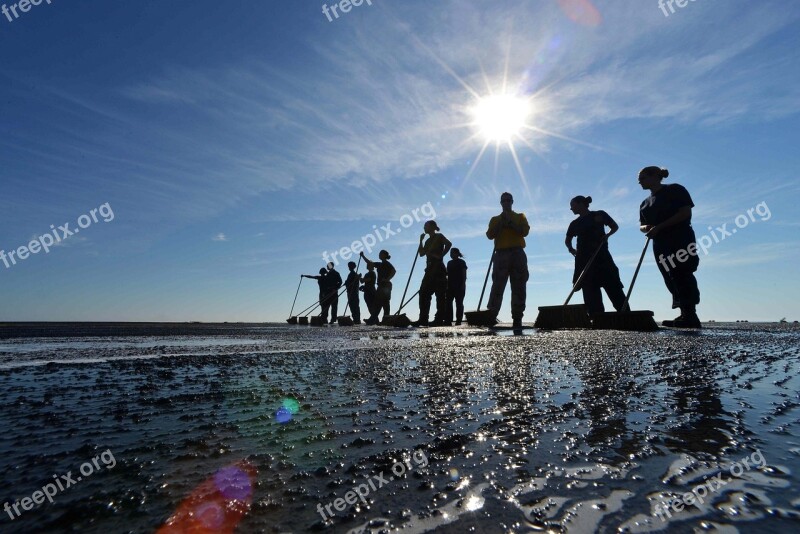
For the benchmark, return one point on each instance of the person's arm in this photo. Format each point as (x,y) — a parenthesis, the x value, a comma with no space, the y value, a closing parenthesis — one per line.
(447,246)
(523,227)
(421,250)
(684,214)
(391,273)
(366,259)
(611,223)
(568,242)
(494,227)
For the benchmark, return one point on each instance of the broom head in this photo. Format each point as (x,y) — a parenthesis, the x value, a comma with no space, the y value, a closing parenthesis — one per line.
(292,320)
(345,320)
(639,321)
(397,321)
(558,317)
(317,321)
(481,318)
(302,320)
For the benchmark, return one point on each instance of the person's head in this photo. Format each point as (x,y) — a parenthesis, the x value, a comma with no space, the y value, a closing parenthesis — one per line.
(431,227)
(580,204)
(384,255)
(455,253)
(323,271)
(506,200)
(370,266)
(651,177)
(330,265)
(351,265)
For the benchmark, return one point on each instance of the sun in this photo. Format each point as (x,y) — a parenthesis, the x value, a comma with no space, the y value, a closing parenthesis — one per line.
(500,118)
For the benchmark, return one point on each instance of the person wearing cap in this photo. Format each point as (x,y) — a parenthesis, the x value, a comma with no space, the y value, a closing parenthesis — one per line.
(508,231)
(383,294)
(666,217)
(435,280)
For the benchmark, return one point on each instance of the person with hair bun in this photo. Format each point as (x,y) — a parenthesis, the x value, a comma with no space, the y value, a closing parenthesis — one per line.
(590,229)
(666,217)
(456,285)
(435,280)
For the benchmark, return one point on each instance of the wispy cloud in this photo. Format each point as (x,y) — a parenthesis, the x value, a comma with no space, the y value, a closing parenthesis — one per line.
(219,237)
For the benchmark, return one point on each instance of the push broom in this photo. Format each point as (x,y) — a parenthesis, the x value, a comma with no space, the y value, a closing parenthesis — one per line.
(293,318)
(568,316)
(641,321)
(485,317)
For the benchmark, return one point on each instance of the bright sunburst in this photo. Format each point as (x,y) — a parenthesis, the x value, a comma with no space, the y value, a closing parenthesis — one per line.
(500,118)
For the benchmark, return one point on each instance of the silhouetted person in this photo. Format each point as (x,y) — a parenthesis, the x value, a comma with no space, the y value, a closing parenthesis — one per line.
(456,285)
(323,290)
(334,281)
(369,280)
(666,217)
(435,280)
(351,283)
(383,295)
(508,230)
(590,229)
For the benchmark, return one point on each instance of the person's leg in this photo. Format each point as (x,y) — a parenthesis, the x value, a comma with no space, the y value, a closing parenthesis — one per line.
(500,267)
(592,297)
(459,294)
(665,268)
(613,286)
(519,279)
(426,289)
(369,299)
(441,292)
(355,308)
(334,307)
(448,308)
(689,296)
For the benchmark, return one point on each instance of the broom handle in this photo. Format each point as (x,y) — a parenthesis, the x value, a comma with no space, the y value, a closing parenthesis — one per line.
(635,274)
(402,300)
(326,297)
(295,296)
(348,300)
(409,300)
(585,271)
(485,280)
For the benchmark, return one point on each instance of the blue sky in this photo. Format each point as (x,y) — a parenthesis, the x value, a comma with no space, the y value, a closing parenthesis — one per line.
(237,141)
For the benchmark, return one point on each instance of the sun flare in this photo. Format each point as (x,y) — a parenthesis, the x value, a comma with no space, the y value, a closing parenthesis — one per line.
(500,118)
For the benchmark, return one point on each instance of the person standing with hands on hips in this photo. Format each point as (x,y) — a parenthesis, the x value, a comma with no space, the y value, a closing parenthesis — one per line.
(508,230)
(666,217)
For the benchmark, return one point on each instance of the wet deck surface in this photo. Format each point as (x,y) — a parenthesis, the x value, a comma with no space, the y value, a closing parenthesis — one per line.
(573,431)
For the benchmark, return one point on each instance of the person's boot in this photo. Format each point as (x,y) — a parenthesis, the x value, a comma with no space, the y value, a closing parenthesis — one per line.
(688,320)
(517,323)
(672,323)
